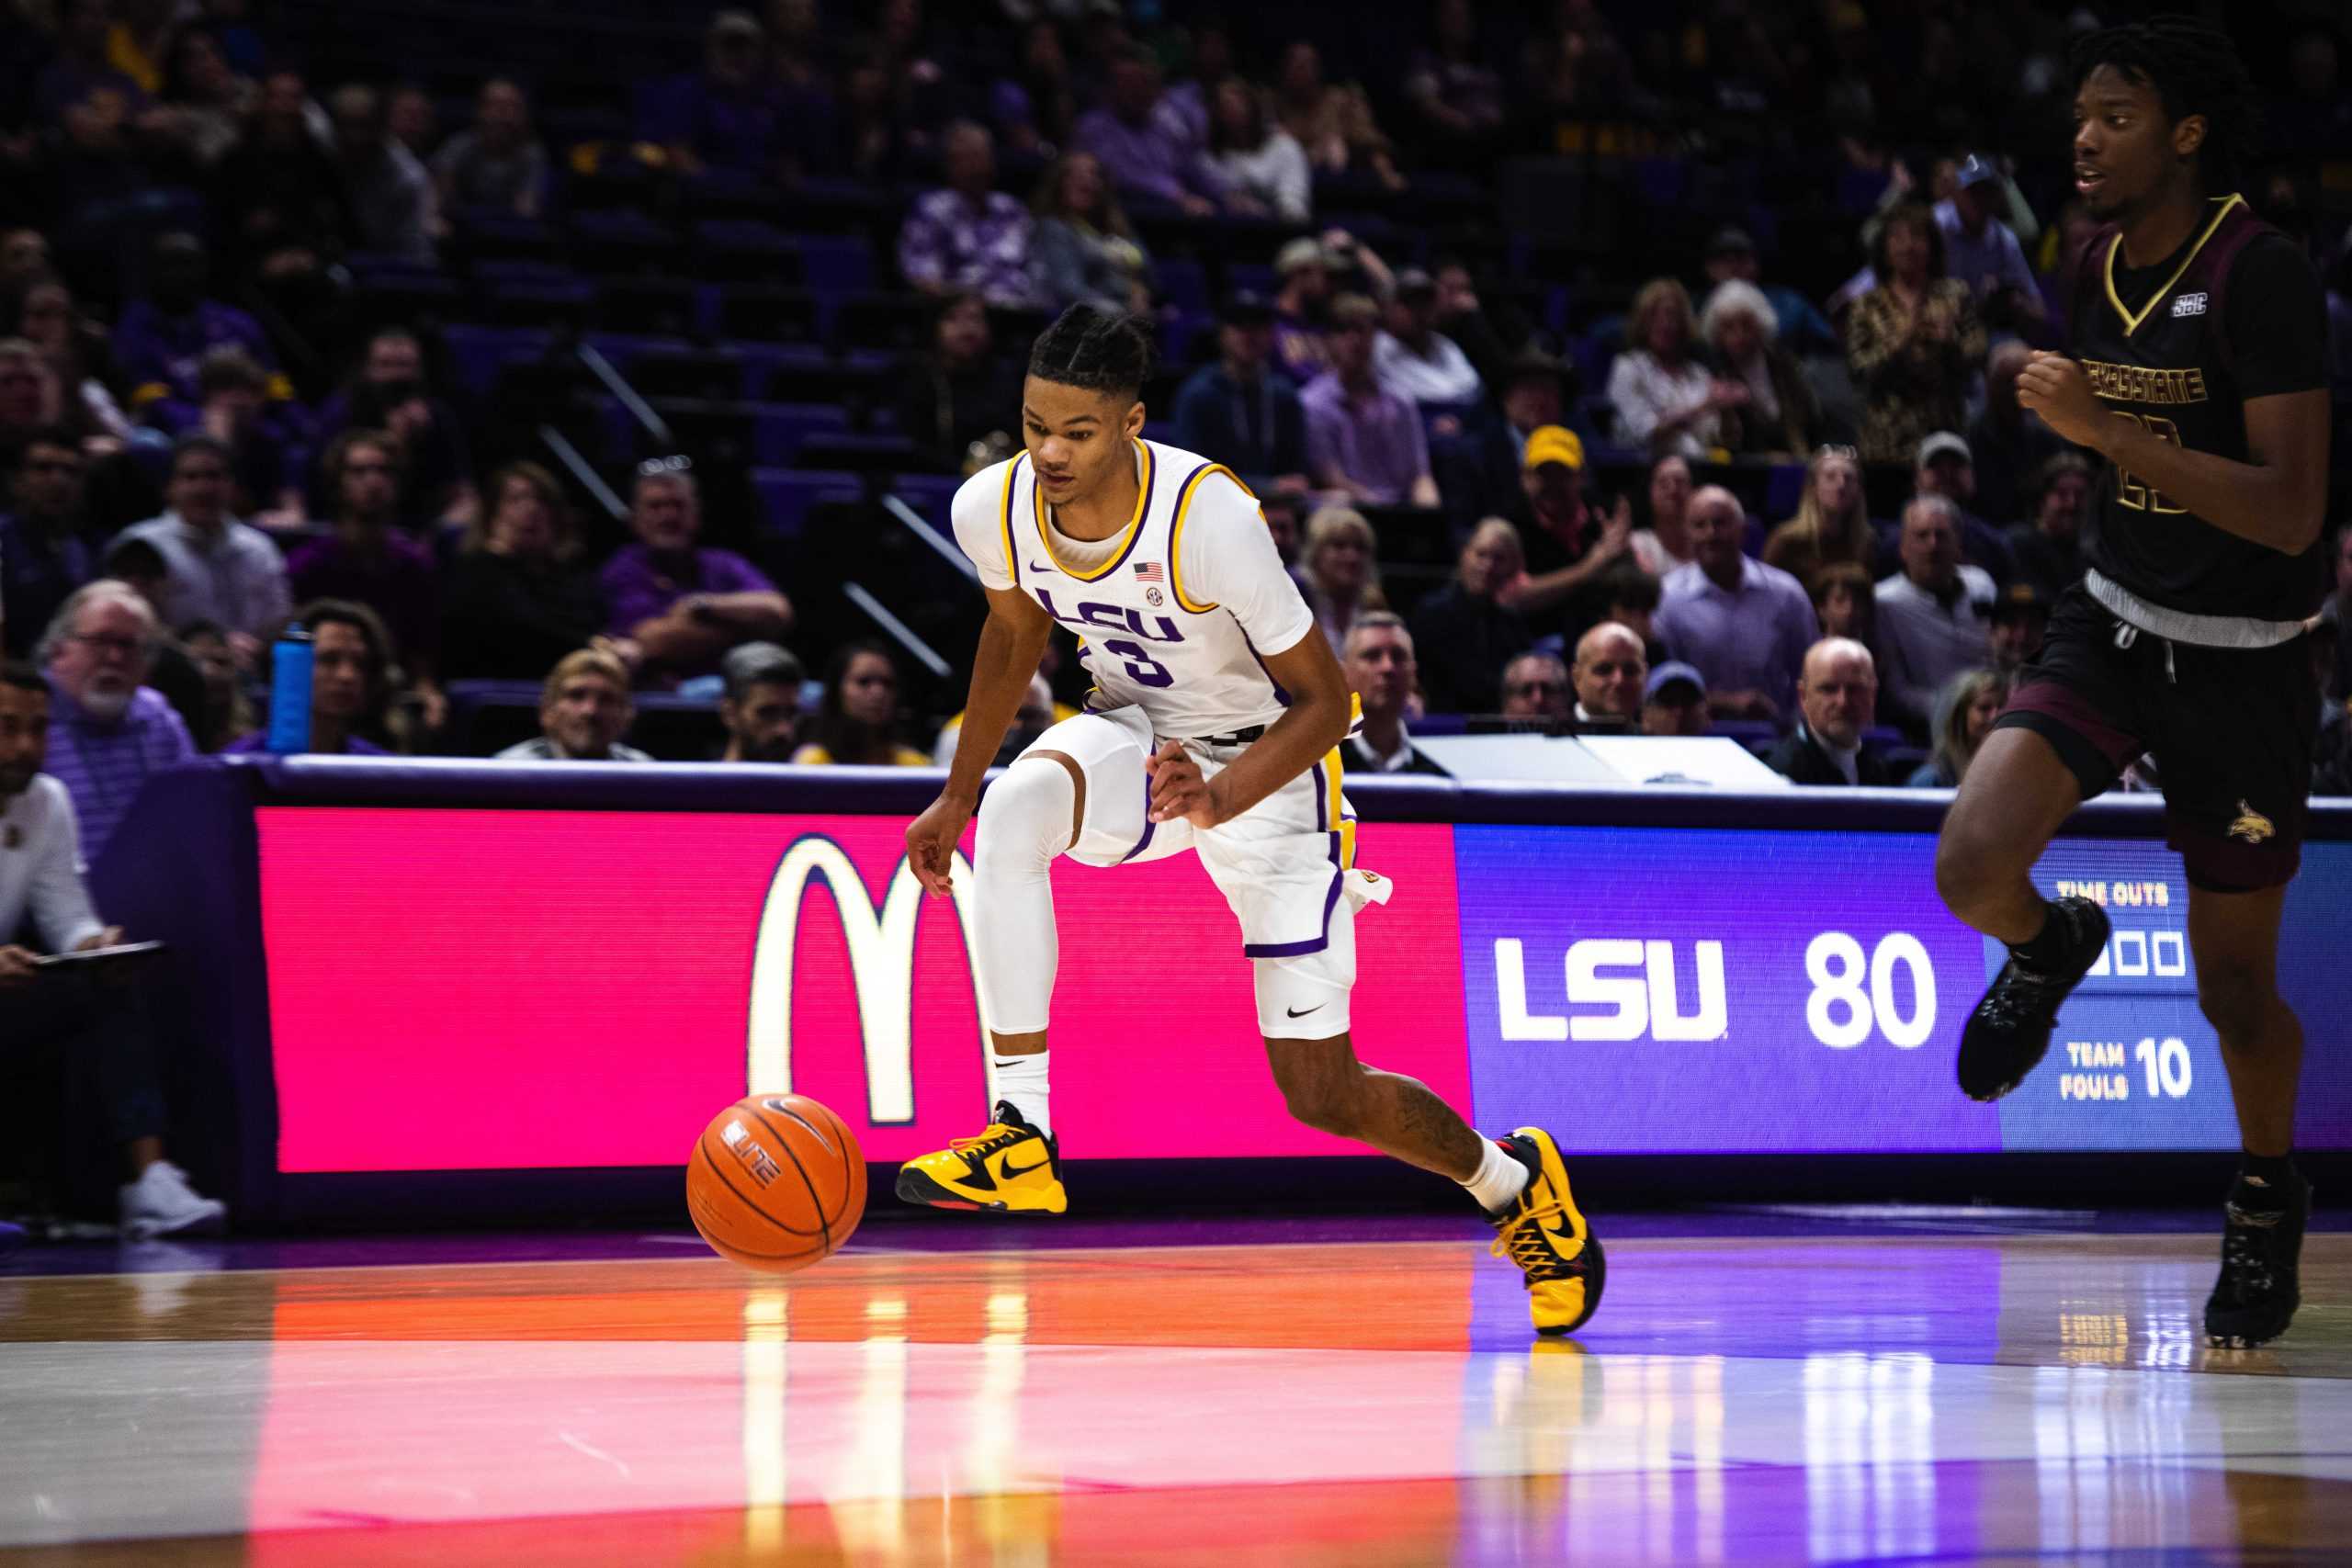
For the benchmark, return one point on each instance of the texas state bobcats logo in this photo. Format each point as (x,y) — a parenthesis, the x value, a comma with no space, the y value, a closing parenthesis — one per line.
(2251,824)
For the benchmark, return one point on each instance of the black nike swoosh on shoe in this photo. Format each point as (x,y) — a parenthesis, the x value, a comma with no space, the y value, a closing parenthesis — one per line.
(1011,1170)
(1302,1012)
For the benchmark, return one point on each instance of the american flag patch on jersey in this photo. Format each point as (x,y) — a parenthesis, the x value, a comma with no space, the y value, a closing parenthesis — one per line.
(1150,571)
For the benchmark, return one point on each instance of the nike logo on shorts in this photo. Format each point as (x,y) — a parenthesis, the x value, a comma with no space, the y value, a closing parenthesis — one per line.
(1302,1012)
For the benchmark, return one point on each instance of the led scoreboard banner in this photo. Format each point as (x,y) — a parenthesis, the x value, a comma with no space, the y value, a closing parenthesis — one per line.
(1696,990)
(1636,989)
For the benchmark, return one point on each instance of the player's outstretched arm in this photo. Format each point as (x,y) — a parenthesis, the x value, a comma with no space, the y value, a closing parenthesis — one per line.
(1316,721)
(1011,644)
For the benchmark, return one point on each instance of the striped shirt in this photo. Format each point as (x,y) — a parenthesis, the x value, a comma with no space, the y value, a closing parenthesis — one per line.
(102,766)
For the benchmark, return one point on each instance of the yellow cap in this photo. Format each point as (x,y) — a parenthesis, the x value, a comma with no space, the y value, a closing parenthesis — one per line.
(1554,444)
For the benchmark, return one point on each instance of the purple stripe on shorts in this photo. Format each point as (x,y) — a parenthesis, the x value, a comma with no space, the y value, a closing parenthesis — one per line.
(1149,825)
(1313,944)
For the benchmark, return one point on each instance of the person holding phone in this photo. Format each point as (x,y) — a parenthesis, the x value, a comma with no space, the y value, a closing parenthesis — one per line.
(90,1029)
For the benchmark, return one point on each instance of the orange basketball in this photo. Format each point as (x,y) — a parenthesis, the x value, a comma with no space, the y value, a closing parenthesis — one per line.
(776,1182)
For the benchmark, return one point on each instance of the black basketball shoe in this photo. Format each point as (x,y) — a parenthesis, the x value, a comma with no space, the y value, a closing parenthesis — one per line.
(2010,1028)
(2256,1298)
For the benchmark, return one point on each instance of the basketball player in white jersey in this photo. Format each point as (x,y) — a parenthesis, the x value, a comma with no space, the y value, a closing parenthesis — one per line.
(1212,727)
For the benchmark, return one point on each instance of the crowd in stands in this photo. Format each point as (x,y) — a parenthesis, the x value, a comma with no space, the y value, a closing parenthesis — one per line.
(1772,499)
(1600,368)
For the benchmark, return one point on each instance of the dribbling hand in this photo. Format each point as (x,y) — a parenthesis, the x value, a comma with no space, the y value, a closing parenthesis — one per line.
(931,839)
(1177,789)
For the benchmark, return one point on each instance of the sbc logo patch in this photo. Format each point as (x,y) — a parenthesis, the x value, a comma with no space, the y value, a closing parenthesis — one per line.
(2188,305)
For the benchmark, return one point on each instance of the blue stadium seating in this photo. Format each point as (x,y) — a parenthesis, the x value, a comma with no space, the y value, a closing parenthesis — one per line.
(786,496)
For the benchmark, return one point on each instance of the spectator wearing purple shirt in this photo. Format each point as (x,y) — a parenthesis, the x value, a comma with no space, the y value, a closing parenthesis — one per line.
(674,610)
(351,683)
(969,235)
(107,733)
(1742,625)
(367,562)
(161,340)
(1363,441)
(1147,145)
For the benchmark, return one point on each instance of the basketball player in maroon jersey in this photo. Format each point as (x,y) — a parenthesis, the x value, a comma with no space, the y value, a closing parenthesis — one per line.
(2196,370)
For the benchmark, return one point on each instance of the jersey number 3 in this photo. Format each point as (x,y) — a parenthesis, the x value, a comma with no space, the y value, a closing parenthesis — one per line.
(2135,493)
(1142,668)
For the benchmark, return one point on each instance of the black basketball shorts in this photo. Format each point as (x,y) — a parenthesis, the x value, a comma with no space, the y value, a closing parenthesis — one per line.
(2231,731)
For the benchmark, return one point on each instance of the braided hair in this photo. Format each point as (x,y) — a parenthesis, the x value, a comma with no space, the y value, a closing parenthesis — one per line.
(2195,70)
(1095,350)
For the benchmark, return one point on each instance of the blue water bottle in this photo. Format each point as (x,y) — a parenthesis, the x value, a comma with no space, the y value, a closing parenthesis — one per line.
(290,693)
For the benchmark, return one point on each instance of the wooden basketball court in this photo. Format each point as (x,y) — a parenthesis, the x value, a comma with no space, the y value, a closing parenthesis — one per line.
(1740,1398)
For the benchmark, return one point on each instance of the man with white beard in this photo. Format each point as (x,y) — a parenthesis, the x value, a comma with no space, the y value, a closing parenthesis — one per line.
(108,731)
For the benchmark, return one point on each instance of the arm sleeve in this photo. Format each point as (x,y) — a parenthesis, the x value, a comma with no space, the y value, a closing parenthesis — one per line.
(1417,436)
(1636,416)
(738,575)
(276,597)
(1969,339)
(1058,263)
(630,598)
(1229,560)
(2277,319)
(178,745)
(2016,271)
(977,512)
(1803,629)
(61,903)
(1293,181)
(1323,465)
(919,251)
(1868,345)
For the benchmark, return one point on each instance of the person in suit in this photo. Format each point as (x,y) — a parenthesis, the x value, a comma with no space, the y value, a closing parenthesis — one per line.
(1837,697)
(1380,669)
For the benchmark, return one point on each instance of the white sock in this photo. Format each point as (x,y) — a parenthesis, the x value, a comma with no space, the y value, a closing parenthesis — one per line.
(1500,1180)
(1022,1080)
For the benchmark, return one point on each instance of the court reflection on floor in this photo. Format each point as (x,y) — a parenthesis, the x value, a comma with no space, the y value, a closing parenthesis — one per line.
(1913,1398)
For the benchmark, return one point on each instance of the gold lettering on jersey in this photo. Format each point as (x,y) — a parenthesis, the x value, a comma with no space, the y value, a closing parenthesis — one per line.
(2133,492)
(2139,384)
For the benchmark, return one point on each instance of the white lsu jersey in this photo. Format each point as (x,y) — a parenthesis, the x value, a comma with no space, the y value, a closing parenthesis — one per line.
(1175,618)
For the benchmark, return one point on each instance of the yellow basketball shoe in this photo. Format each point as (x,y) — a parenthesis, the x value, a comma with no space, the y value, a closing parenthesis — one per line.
(1545,1235)
(1010,1168)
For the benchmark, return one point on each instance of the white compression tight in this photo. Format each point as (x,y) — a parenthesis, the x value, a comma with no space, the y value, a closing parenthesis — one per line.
(1024,825)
